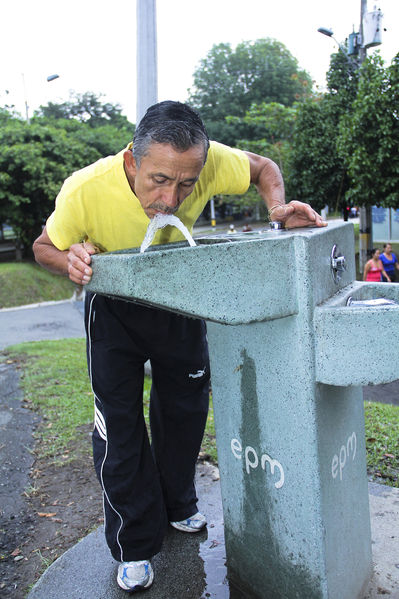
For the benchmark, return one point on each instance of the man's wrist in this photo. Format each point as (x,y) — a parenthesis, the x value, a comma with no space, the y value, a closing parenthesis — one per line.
(275,207)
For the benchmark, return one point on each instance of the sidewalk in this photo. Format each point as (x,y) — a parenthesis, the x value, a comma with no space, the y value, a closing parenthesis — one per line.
(39,322)
(193,566)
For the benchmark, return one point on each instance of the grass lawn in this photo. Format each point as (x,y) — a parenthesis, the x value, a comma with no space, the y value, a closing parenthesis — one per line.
(28,283)
(55,383)
(382,441)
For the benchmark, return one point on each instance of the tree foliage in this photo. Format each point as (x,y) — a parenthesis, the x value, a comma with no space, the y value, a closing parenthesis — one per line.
(34,161)
(317,173)
(86,108)
(268,131)
(369,136)
(272,122)
(343,77)
(36,158)
(228,82)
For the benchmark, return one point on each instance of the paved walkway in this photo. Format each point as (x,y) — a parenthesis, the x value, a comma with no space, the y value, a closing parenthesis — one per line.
(39,322)
(193,566)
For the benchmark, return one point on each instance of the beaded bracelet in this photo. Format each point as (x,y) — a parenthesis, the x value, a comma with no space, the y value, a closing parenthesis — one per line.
(270,211)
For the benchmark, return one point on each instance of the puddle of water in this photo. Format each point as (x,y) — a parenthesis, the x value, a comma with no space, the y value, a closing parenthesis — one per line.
(211,550)
(213,553)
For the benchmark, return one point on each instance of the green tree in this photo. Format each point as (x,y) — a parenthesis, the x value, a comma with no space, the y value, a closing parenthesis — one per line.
(86,108)
(268,129)
(317,173)
(34,161)
(273,122)
(229,82)
(106,139)
(36,158)
(369,136)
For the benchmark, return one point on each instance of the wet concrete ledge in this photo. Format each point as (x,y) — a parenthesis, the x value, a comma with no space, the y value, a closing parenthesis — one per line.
(189,566)
(193,566)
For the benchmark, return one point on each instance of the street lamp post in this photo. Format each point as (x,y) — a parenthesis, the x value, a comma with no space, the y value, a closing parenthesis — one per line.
(147,67)
(365,220)
(49,78)
(365,214)
(330,33)
(25,99)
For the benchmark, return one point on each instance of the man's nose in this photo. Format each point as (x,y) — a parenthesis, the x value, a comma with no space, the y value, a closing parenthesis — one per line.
(171,197)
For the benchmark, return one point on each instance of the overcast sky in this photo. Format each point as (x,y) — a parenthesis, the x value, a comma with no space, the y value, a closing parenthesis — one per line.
(91,44)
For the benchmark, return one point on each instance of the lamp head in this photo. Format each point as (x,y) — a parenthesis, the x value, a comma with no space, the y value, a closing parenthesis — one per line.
(325,31)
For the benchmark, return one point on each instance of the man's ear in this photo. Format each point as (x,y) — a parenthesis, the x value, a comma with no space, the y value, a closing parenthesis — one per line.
(130,163)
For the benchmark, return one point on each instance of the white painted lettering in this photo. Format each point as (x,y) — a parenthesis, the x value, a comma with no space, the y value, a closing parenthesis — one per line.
(251,459)
(248,463)
(338,463)
(334,466)
(236,448)
(273,464)
(351,444)
(342,460)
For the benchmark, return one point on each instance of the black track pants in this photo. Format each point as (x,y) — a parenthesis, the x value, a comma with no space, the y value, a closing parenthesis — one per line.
(145,486)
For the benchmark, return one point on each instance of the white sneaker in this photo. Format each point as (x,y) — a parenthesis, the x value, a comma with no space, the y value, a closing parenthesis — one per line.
(193,524)
(135,576)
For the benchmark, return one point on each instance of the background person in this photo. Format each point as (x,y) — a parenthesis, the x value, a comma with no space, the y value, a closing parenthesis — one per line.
(170,168)
(374,269)
(389,261)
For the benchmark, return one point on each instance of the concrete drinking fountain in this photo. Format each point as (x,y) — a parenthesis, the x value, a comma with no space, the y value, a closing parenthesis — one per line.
(288,354)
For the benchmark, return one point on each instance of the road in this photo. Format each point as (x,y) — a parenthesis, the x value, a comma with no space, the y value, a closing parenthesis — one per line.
(38,322)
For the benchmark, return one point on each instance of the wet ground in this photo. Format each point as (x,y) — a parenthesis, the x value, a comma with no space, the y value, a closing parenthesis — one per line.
(188,567)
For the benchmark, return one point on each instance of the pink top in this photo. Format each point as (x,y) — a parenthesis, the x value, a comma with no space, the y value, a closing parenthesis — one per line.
(374,274)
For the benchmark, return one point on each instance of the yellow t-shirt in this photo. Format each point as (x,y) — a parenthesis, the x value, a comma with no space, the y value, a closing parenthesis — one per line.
(96,204)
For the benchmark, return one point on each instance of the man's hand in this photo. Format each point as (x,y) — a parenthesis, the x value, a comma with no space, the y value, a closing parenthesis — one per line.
(296,214)
(266,176)
(79,260)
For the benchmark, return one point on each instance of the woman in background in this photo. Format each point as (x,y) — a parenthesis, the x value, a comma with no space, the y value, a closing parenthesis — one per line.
(374,268)
(389,262)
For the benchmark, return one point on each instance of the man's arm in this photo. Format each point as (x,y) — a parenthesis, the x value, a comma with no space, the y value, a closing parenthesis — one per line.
(267,178)
(73,263)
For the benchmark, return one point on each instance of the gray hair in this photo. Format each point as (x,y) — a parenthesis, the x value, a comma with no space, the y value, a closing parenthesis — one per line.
(170,123)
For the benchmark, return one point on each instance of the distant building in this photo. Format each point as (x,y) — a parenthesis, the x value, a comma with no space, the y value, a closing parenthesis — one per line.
(385,224)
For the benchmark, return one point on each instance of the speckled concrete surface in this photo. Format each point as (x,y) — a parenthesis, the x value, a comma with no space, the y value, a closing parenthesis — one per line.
(193,566)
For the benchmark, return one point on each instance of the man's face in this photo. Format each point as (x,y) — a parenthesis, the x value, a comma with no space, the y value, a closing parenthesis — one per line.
(165,177)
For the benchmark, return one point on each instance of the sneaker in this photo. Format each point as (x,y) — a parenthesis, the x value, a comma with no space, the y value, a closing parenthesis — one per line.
(135,576)
(193,524)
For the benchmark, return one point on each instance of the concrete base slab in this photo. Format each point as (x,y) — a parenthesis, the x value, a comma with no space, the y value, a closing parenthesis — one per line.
(189,566)
(193,566)
(384,515)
